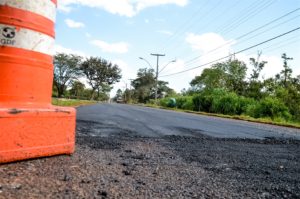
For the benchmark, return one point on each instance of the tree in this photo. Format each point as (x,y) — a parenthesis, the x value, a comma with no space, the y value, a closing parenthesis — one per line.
(286,73)
(77,89)
(100,75)
(66,70)
(229,75)
(210,78)
(257,67)
(119,95)
(296,82)
(269,86)
(255,85)
(128,95)
(236,73)
(144,85)
(163,90)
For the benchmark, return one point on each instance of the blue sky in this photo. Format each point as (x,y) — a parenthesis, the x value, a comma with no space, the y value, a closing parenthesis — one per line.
(121,31)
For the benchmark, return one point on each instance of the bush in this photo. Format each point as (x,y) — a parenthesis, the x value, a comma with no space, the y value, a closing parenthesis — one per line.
(269,107)
(164,102)
(180,102)
(231,104)
(152,101)
(244,103)
(253,110)
(202,102)
(227,104)
(188,103)
(185,102)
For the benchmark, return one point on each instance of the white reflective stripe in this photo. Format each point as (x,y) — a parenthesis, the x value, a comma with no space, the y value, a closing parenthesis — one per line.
(45,8)
(26,39)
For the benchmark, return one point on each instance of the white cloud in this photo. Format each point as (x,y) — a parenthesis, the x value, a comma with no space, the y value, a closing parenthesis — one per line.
(142,4)
(273,67)
(74,24)
(177,82)
(127,73)
(60,49)
(207,42)
(205,46)
(165,32)
(128,8)
(121,47)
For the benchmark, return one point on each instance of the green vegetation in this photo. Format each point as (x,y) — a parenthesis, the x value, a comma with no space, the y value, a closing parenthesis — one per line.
(70,70)
(224,89)
(236,117)
(71,102)
(143,88)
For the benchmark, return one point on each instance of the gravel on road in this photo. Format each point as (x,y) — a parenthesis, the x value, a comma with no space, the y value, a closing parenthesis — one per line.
(125,164)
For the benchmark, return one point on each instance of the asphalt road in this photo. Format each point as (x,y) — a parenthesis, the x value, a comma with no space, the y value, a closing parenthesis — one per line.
(151,122)
(134,152)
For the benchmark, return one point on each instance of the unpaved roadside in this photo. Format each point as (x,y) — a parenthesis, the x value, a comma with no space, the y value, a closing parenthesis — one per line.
(125,165)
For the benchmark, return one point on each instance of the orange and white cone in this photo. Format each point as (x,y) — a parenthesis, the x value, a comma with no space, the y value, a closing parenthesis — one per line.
(30,126)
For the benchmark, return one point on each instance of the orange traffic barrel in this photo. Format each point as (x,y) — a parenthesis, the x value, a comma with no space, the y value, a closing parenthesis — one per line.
(30,126)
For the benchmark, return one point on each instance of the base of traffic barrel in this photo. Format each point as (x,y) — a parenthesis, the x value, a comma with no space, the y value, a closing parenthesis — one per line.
(28,133)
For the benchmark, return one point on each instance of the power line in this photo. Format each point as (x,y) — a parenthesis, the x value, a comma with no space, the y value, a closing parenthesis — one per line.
(261,43)
(251,11)
(243,14)
(248,12)
(244,35)
(233,26)
(247,39)
(283,44)
(271,28)
(278,45)
(186,23)
(175,45)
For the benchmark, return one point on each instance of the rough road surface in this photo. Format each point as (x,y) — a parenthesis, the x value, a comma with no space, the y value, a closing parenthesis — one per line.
(134,152)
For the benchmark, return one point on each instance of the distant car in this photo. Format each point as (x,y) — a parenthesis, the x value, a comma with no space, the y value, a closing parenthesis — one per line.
(120,100)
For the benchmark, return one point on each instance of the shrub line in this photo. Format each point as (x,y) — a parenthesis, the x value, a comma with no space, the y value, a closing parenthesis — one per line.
(233,117)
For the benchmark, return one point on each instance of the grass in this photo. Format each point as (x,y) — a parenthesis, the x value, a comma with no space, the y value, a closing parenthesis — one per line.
(71,102)
(235,117)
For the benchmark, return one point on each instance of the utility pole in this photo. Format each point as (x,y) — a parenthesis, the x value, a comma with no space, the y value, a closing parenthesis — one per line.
(125,98)
(157,72)
(130,88)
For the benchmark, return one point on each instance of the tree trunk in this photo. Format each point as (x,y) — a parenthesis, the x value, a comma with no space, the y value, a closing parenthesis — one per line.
(93,94)
(60,90)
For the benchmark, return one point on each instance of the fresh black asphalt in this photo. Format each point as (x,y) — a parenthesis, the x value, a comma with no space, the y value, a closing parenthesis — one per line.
(150,122)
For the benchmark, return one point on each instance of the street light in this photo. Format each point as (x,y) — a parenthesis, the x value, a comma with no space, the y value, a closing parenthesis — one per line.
(141,58)
(173,61)
(157,70)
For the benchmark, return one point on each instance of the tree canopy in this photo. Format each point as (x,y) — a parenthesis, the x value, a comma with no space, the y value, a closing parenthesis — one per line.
(100,74)
(66,70)
(144,86)
(70,70)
